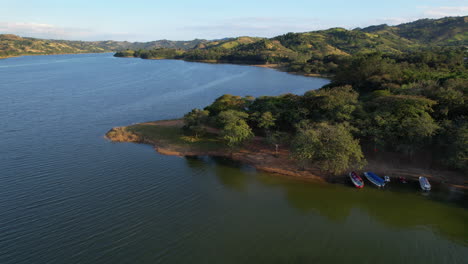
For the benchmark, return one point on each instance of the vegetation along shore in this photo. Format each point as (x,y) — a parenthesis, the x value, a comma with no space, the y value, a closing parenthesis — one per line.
(396,104)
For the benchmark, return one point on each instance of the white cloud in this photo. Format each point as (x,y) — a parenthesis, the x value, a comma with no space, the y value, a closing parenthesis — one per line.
(256,26)
(444,11)
(47,31)
(227,27)
(425,12)
(389,21)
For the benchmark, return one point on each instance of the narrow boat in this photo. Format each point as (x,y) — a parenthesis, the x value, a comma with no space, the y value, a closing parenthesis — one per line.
(357,181)
(376,180)
(387,178)
(425,185)
(402,179)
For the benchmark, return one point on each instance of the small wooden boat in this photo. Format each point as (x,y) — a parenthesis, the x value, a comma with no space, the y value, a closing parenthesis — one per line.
(402,179)
(386,178)
(424,183)
(357,181)
(376,180)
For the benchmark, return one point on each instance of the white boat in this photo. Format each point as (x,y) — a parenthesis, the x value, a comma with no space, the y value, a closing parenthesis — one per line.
(387,178)
(424,183)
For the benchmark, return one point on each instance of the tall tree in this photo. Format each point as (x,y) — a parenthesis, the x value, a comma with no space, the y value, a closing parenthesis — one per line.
(331,147)
(195,120)
(400,122)
(331,105)
(235,130)
(266,121)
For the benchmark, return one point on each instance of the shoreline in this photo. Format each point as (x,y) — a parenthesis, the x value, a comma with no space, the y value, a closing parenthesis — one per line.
(254,155)
(24,55)
(263,158)
(277,67)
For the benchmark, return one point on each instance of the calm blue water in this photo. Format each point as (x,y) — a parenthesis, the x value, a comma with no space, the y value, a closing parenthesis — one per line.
(69,196)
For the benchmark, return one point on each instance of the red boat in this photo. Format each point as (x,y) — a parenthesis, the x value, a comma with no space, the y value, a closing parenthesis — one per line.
(402,179)
(357,181)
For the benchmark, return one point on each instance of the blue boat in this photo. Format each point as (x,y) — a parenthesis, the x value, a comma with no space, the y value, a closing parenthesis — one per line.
(376,180)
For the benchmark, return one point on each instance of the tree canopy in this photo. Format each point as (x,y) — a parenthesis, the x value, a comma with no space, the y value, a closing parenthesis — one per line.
(331,147)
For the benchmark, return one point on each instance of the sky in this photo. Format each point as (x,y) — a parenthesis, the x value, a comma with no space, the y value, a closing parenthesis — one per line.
(147,20)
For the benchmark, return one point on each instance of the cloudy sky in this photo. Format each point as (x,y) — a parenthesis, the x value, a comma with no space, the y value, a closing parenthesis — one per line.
(145,20)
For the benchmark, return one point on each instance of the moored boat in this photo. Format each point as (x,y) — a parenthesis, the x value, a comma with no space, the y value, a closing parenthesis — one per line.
(402,179)
(376,180)
(387,178)
(357,181)
(424,183)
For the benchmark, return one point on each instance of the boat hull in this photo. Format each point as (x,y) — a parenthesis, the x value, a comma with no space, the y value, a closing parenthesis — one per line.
(424,183)
(356,180)
(376,180)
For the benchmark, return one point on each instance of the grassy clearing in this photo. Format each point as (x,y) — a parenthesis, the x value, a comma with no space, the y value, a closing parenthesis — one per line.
(170,137)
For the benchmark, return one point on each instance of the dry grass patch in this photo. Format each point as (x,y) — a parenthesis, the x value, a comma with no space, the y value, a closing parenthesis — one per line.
(121,134)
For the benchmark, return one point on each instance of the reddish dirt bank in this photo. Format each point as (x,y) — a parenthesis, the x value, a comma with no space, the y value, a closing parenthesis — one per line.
(263,157)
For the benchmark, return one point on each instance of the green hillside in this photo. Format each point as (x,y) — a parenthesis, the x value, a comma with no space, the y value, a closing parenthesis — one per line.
(12,45)
(320,51)
(310,52)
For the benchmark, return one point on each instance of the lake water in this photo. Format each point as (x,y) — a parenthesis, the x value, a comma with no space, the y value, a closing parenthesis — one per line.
(69,196)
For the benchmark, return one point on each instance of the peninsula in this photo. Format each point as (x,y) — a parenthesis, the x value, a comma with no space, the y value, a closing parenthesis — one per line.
(326,132)
(396,105)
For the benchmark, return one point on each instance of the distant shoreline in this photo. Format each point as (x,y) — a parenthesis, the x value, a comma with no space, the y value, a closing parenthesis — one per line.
(277,67)
(24,55)
(163,136)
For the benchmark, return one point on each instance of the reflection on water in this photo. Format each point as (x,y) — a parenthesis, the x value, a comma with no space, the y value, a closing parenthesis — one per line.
(398,206)
(67,195)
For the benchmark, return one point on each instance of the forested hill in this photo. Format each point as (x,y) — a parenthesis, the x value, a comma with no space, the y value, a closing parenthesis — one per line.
(319,51)
(12,45)
(395,92)
(445,31)
(292,48)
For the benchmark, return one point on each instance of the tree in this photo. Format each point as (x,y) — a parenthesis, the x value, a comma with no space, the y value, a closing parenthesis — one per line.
(367,73)
(228,102)
(454,143)
(331,147)
(266,120)
(331,105)
(401,122)
(235,129)
(286,109)
(195,120)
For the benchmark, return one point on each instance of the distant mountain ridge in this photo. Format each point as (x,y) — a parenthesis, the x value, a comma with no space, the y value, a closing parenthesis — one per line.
(13,45)
(449,31)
